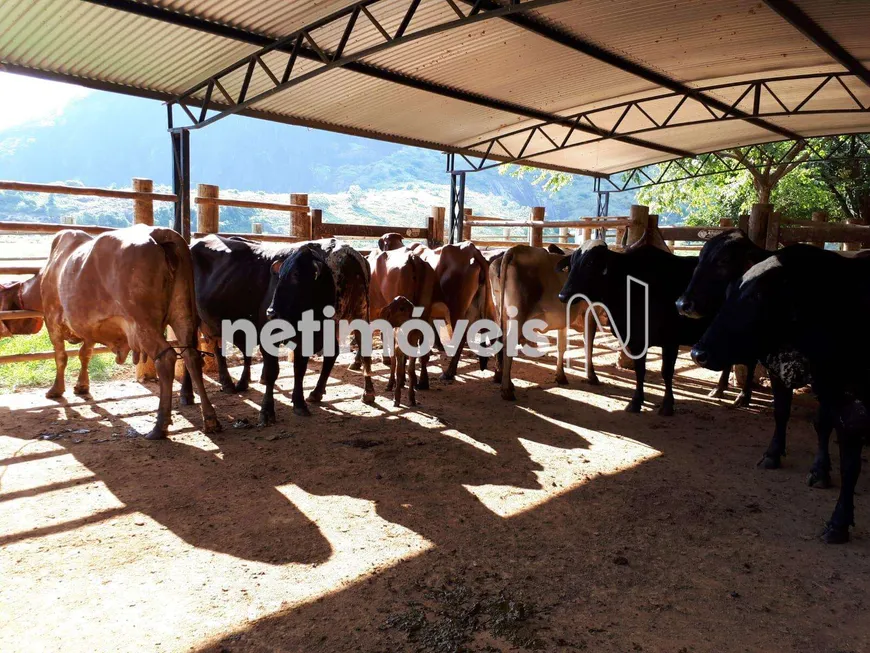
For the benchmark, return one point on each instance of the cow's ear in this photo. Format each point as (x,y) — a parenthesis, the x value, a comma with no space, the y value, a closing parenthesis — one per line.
(276,266)
(563,264)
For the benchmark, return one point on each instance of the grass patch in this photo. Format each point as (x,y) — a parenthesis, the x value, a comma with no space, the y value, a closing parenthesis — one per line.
(16,376)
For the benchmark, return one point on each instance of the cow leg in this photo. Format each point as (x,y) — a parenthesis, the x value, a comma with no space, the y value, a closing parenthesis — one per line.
(745,395)
(83,386)
(193,371)
(450,373)
(782,396)
(636,403)
(499,366)
(722,385)
(165,365)
(412,381)
(423,383)
(270,374)
(588,342)
(851,442)
(60,358)
(245,378)
(669,361)
(820,472)
(399,366)
(358,363)
(185,397)
(316,395)
(300,366)
(507,386)
(561,347)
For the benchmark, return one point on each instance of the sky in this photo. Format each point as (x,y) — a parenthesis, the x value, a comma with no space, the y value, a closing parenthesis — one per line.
(35,100)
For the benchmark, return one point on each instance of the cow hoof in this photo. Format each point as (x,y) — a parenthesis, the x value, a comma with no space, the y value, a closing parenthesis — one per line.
(53,394)
(633,406)
(422,385)
(835,534)
(716,393)
(770,461)
(742,401)
(666,410)
(301,410)
(266,419)
(82,390)
(496,377)
(211,425)
(262,380)
(508,395)
(156,434)
(315,397)
(228,388)
(819,480)
(446,378)
(562,380)
(356,366)
(242,386)
(368,398)
(593,380)
(185,400)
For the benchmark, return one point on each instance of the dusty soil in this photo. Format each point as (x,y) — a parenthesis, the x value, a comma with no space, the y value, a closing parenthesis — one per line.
(556,523)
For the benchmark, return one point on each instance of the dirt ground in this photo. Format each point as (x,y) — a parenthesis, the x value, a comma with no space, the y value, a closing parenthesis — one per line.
(556,523)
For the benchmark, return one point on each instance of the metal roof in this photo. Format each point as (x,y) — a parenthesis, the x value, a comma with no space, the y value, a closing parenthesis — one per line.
(594,86)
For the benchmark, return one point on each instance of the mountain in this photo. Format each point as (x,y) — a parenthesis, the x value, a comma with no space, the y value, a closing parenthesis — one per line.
(104,139)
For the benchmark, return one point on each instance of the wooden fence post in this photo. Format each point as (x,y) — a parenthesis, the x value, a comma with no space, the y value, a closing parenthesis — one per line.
(256,227)
(143,209)
(316,221)
(563,235)
(300,222)
(819,216)
(587,231)
(438,215)
(536,236)
(143,213)
(758,224)
(726,222)
(743,223)
(466,229)
(639,216)
(772,235)
(208,215)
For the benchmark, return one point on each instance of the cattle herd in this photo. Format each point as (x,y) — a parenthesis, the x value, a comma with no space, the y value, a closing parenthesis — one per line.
(799,311)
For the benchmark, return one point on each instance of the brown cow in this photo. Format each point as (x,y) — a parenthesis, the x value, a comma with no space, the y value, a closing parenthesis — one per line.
(13,297)
(462,273)
(402,273)
(526,278)
(122,289)
(397,312)
(390,241)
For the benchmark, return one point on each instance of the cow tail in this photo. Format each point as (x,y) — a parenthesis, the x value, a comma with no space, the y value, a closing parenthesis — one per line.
(180,263)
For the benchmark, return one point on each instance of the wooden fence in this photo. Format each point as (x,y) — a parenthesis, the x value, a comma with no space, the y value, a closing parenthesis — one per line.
(536,225)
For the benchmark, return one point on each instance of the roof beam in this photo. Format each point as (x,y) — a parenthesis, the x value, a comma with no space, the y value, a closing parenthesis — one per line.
(217,29)
(563,37)
(815,33)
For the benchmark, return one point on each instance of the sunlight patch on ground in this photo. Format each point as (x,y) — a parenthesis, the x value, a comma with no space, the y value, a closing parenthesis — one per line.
(562,470)
(467,439)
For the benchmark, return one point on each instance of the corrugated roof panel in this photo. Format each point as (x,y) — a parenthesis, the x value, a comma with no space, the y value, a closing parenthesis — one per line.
(701,42)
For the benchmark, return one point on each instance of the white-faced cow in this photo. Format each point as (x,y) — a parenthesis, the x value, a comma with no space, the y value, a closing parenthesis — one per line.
(802,312)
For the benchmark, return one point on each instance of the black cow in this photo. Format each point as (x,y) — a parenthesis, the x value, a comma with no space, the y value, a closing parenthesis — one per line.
(239,279)
(802,312)
(601,274)
(723,260)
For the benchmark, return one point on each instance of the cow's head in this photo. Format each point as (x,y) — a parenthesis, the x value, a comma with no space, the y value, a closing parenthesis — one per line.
(752,322)
(11,300)
(303,282)
(390,241)
(398,311)
(723,260)
(587,267)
